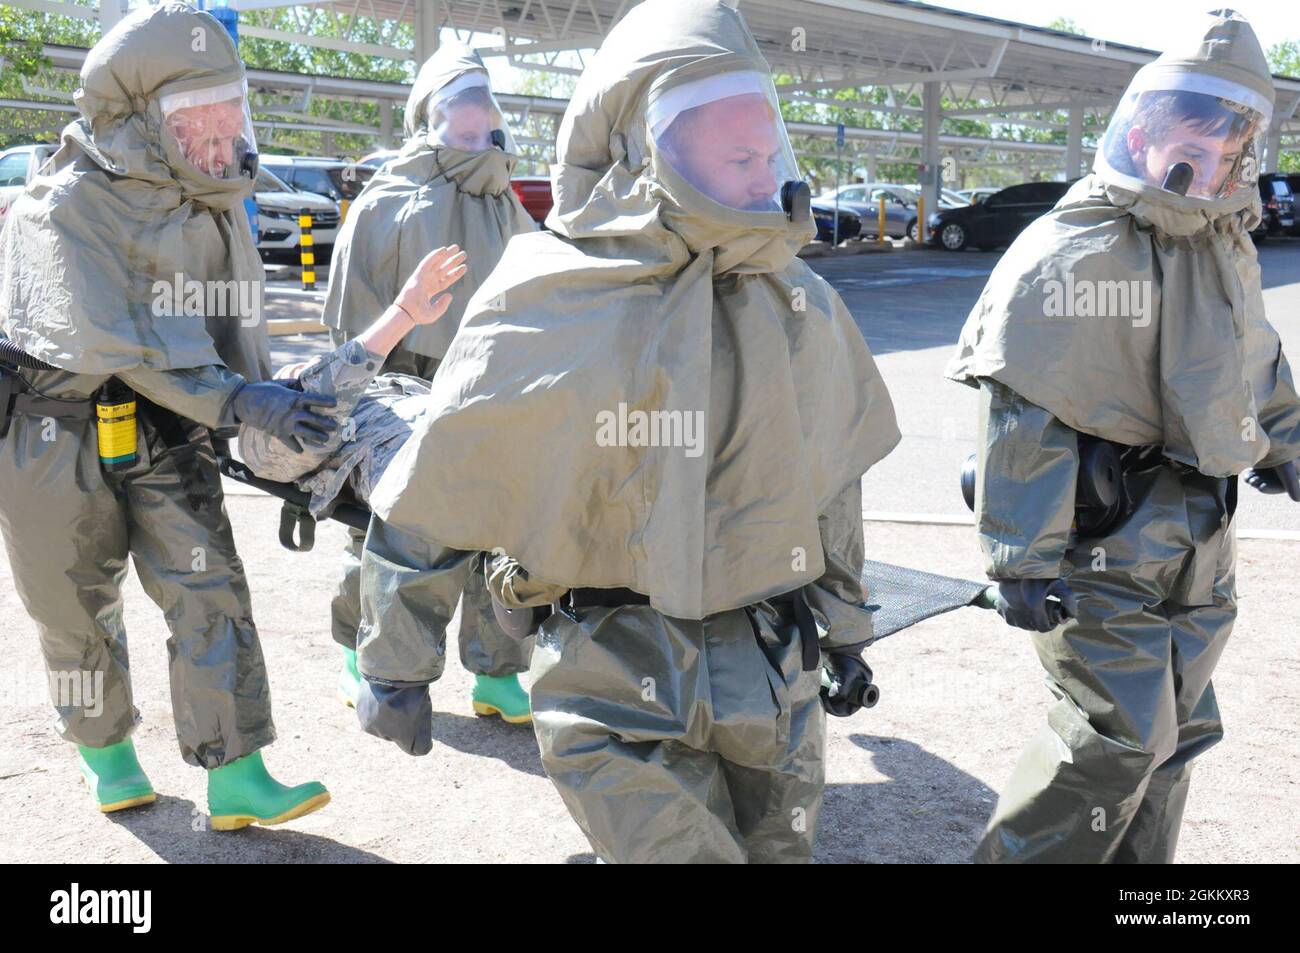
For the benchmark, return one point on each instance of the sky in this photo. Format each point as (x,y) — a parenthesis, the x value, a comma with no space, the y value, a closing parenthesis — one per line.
(1138,22)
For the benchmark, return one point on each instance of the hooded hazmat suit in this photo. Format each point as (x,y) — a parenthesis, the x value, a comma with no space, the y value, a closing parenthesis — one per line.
(94,253)
(450,184)
(661,411)
(1132,314)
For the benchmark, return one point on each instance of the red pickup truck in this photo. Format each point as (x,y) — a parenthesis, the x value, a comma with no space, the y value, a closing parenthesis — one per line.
(534,191)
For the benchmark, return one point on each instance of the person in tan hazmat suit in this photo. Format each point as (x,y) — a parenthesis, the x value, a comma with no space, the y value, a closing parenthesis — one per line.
(131,293)
(663,416)
(1127,326)
(450,184)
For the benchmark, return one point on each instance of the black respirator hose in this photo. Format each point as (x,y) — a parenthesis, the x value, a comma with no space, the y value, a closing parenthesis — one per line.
(12,354)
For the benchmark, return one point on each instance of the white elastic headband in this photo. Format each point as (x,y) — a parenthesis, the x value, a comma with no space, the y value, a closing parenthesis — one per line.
(665,107)
(458,85)
(203,97)
(1157,78)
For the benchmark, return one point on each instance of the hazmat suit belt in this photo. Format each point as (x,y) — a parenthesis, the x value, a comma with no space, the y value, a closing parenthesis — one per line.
(1149,456)
(34,405)
(17,397)
(582,598)
(790,602)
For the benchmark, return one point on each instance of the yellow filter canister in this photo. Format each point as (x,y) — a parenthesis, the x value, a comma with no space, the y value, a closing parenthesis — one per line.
(115,425)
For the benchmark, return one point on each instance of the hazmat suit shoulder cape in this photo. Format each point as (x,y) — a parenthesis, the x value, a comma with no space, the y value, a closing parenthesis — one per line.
(659,396)
(115,257)
(430,195)
(1135,315)
(1133,333)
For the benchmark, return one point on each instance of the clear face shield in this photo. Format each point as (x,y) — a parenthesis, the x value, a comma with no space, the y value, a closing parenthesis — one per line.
(725,136)
(213,130)
(1193,134)
(465,115)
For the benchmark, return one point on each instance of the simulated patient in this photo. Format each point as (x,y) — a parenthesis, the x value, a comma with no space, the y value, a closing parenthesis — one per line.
(374,410)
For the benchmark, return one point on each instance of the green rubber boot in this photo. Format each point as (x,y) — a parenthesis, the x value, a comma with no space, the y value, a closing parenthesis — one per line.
(115,777)
(242,793)
(502,696)
(349,684)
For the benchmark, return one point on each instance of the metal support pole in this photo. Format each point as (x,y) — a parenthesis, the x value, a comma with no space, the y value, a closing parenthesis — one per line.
(1074,144)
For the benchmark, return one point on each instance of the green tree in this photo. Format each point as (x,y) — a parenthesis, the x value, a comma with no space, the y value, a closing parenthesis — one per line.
(21,50)
(1284,60)
(1065,25)
(27,73)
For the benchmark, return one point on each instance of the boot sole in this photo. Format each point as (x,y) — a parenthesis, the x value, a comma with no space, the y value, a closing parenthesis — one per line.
(483,709)
(128,802)
(233,822)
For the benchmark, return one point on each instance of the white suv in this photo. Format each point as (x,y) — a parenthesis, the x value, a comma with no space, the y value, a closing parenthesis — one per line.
(278,207)
(17,166)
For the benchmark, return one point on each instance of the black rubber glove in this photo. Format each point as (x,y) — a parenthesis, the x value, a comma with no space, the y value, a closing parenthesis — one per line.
(1273,480)
(846,684)
(1024,603)
(285,413)
(400,714)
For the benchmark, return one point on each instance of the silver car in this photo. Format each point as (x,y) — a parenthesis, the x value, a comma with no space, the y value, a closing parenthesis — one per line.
(863,199)
(17,167)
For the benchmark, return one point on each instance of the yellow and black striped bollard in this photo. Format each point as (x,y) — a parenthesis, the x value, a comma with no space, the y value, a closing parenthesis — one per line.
(307,251)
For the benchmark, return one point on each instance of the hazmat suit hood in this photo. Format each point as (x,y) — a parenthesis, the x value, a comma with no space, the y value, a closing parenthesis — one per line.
(1206,101)
(610,181)
(699,395)
(450,183)
(123,252)
(1133,313)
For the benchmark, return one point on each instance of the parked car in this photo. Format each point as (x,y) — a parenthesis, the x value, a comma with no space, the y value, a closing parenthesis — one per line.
(1278,200)
(997,220)
(335,179)
(534,191)
(901,202)
(17,167)
(1293,180)
(278,207)
(824,215)
(863,200)
(950,199)
(976,196)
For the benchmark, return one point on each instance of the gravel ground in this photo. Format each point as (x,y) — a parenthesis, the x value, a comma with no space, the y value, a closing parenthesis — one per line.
(912,780)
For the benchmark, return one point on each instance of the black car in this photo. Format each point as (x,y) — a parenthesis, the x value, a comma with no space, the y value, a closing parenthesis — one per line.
(997,220)
(824,216)
(1277,196)
(1293,180)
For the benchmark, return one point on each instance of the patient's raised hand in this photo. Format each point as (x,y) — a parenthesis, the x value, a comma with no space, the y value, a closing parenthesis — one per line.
(422,296)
